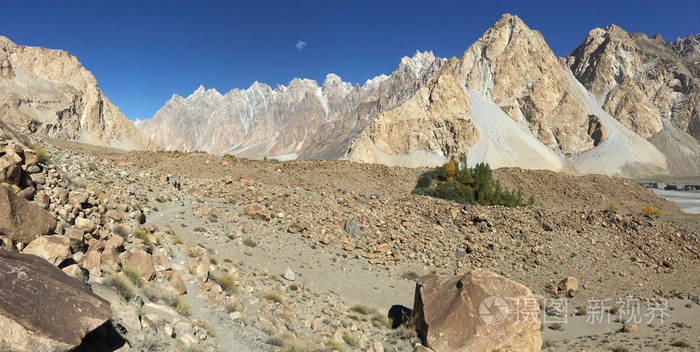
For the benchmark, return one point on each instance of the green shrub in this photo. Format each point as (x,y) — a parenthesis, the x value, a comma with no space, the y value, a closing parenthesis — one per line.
(457,182)
(41,154)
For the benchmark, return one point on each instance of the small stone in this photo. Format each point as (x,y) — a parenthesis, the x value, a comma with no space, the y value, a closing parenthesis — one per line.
(569,285)
(630,328)
(235,316)
(547,226)
(289,274)
(84,224)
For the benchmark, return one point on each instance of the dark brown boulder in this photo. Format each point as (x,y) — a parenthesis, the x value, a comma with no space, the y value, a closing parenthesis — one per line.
(23,221)
(478,311)
(43,309)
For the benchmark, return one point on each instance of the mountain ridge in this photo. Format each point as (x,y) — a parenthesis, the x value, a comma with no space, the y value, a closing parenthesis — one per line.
(419,117)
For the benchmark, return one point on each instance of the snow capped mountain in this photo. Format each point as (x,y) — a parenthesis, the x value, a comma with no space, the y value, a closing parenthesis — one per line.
(262,122)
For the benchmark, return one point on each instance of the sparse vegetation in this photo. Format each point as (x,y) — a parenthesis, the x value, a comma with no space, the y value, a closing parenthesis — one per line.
(133,275)
(680,343)
(648,210)
(274,297)
(143,236)
(333,346)
(296,345)
(250,243)
(226,281)
(182,306)
(275,341)
(41,154)
(455,181)
(351,340)
(361,309)
(152,342)
(381,322)
(122,285)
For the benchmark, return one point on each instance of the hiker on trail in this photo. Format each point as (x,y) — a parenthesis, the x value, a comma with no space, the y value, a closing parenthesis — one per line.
(178,186)
(168,179)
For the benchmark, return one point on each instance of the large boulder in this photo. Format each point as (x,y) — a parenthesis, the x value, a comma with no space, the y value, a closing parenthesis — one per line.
(199,267)
(23,221)
(43,309)
(478,311)
(55,249)
(141,262)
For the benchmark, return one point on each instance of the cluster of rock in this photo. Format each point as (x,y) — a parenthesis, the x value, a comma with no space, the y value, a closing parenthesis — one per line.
(82,236)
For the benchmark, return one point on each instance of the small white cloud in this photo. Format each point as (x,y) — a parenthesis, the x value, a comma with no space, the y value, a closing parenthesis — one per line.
(301,44)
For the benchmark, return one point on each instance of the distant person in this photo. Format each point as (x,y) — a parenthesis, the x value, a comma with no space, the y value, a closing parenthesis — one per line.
(168,178)
(178,186)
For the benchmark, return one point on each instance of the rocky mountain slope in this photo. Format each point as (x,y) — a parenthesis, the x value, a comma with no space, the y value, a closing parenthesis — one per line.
(648,86)
(689,49)
(620,104)
(49,92)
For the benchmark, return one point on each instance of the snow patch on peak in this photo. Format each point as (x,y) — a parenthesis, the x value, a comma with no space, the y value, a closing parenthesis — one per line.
(418,62)
(323,99)
(375,81)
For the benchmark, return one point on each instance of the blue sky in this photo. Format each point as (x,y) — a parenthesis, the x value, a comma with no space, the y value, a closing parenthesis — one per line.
(142,52)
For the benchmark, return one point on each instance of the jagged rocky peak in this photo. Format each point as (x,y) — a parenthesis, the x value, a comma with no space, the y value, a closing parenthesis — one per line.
(513,66)
(689,49)
(639,80)
(419,62)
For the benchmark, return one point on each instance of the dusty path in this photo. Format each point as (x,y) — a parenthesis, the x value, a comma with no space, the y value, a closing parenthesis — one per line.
(353,280)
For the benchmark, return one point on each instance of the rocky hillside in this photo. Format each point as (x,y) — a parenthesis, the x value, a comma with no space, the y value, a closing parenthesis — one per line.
(48,92)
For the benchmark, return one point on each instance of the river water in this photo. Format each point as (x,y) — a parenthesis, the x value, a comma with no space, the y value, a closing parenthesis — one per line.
(689,202)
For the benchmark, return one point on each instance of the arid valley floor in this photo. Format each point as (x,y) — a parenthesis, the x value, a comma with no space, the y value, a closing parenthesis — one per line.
(318,251)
